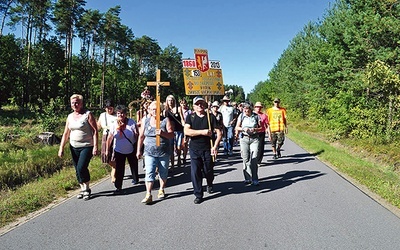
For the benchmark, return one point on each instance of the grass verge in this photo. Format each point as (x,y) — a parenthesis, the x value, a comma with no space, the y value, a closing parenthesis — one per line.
(366,169)
(36,195)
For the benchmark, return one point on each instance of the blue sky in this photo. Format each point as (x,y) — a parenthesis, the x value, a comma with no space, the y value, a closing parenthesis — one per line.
(246,36)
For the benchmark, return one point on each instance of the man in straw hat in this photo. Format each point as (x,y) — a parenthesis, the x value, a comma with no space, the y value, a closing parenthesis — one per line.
(200,126)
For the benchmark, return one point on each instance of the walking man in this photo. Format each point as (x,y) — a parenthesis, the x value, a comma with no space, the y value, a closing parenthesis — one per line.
(200,126)
(277,127)
(228,112)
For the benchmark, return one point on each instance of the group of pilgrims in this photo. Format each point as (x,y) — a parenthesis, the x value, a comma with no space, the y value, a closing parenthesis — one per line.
(166,141)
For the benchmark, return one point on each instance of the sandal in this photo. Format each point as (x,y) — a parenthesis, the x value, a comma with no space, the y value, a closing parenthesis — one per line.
(80,195)
(86,194)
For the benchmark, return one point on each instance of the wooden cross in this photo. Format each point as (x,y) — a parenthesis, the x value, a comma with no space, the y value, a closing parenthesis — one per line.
(158,84)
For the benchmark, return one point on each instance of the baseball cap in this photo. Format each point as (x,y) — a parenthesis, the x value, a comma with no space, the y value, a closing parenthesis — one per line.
(108,103)
(277,100)
(258,104)
(215,104)
(198,99)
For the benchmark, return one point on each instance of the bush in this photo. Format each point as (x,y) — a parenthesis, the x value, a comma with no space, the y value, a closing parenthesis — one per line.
(48,120)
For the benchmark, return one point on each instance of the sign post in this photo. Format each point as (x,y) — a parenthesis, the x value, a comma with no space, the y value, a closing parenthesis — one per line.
(203,77)
(158,84)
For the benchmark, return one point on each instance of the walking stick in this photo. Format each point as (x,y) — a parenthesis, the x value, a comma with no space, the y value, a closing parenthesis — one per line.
(209,127)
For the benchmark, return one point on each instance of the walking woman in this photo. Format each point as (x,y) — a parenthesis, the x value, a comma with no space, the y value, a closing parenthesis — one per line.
(249,124)
(176,117)
(123,136)
(81,130)
(105,121)
(185,111)
(155,156)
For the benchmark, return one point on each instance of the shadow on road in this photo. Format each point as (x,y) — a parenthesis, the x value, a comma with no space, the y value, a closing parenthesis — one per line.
(267,184)
(290,159)
(224,165)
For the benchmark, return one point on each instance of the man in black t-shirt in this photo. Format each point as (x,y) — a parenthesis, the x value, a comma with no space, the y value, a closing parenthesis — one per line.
(200,126)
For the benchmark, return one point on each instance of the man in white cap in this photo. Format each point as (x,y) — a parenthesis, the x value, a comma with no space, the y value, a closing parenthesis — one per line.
(200,126)
(228,117)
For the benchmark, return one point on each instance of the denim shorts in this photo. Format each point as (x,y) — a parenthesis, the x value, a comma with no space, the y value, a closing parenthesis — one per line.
(178,139)
(152,163)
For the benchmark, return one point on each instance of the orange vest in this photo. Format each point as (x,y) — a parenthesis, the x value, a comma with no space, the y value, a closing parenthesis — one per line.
(277,119)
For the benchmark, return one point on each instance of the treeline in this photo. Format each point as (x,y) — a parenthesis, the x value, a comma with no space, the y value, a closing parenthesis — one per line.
(38,65)
(342,72)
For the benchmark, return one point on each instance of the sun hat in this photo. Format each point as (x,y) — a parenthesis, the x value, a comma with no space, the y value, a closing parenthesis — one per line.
(226,98)
(258,104)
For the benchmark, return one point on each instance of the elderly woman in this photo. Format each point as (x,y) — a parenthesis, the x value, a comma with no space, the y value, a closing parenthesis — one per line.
(123,136)
(106,119)
(249,124)
(155,156)
(81,129)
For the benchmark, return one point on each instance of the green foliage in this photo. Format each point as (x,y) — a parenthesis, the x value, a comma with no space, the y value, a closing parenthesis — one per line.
(24,165)
(48,118)
(10,54)
(342,73)
(111,63)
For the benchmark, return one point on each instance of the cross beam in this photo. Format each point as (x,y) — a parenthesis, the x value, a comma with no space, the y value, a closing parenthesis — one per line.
(158,84)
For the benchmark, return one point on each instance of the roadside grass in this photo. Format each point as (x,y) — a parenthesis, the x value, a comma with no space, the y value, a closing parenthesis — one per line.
(32,176)
(38,194)
(369,166)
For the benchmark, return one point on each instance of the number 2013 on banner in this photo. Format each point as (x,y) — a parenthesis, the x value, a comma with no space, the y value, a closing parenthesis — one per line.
(191,63)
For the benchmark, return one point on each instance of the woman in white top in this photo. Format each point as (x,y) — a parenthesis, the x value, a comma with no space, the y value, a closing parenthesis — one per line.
(123,137)
(81,130)
(105,121)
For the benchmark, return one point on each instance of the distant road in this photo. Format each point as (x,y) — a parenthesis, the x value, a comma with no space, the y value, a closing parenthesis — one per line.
(300,204)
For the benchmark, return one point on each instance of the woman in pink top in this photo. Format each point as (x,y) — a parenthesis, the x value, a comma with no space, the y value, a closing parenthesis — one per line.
(263,130)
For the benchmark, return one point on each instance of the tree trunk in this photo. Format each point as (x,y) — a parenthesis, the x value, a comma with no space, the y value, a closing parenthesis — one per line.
(103,76)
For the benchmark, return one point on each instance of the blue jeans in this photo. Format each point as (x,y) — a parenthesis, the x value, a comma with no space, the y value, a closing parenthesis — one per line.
(81,158)
(228,139)
(152,163)
(201,163)
(249,152)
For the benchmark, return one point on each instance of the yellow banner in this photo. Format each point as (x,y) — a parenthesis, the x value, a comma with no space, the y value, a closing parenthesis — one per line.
(197,82)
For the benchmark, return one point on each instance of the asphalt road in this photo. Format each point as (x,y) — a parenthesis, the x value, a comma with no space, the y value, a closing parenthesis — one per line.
(300,204)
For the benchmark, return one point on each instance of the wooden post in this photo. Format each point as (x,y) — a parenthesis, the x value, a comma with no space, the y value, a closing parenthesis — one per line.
(158,84)
(209,124)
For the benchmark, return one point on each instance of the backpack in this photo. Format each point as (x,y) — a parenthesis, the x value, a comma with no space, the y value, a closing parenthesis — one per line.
(257,118)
